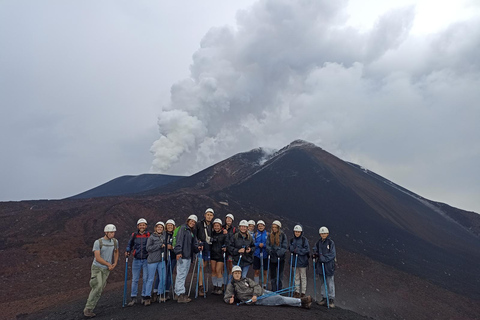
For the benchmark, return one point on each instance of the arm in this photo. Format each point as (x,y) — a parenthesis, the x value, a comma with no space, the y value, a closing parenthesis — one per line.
(257,289)
(305,249)
(292,246)
(100,260)
(130,243)
(231,246)
(330,255)
(115,258)
(152,245)
(229,293)
(179,242)
(283,246)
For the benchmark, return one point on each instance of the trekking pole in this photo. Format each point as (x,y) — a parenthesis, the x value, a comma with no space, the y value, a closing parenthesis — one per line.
(205,285)
(268,272)
(290,275)
(125,283)
(171,272)
(325,282)
(240,259)
(164,280)
(193,273)
(225,275)
(314,280)
(261,265)
(295,273)
(278,273)
(198,273)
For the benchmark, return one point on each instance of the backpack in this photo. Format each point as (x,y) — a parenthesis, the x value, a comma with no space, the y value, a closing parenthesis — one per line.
(174,237)
(115,243)
(303,245)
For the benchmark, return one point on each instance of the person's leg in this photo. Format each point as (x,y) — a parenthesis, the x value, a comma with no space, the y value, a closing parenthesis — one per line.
(151,267)
(183,266)
(331,287)
(136,266)
(303,278)
(245,271)
(98,280)
(273,275)
(145,278)
(278,300)
(297,281)
(161,276)
(322,286)
(219,267)
(282,268)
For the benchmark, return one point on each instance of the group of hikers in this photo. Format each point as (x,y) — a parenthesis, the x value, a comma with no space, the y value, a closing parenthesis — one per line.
(230,250)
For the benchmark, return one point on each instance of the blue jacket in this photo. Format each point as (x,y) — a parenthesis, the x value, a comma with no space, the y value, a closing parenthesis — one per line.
(261,237)
(137,245)
(326,255)
(299,246)
(186,243)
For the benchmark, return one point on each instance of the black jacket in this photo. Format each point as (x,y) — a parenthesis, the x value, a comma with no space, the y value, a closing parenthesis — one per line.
(237,242)
(186,243)
(219,240)
(326,255)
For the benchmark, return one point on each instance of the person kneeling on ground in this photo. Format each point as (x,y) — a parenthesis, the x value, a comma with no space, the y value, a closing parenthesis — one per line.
(248,291)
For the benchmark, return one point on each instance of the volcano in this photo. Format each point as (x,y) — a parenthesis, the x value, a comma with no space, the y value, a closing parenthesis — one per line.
(399,255)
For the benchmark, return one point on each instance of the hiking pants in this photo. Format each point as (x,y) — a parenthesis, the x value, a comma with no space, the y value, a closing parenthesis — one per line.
(183,267)
(169,281)
(245,271)
(301,277)
(153,268)
(137,266)
(279,300)
(330,287)
(98,280)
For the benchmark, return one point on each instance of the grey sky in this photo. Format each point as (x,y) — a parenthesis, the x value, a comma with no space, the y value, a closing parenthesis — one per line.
(83,84)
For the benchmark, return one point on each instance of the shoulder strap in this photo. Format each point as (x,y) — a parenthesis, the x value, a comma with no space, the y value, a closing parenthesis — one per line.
(115,244)
(100,241)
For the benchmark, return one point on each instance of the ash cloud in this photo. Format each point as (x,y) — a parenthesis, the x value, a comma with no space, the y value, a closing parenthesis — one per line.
(386,99)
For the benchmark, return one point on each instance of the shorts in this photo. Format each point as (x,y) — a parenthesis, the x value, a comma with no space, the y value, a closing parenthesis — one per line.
(206,255)
(257,263)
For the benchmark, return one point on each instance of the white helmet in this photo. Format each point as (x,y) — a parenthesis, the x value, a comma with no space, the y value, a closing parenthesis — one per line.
(251,222)
(160,222)
(141,220)
(260,222)
(243,223)
(236,268)
(278,223)
(209,210)
(323,230)
(110,228)
(230,216)
(192,217)
(298,228)
(217,221)
(171,221)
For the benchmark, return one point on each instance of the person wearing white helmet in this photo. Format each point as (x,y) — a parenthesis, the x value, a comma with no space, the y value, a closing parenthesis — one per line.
(229,230)
(244,290)
(277,247)
(217,250)
(260,239)
(156,262)
(203,232)
(251,227)
(185,246)
(172,262)
(241,246)
(138,246)
(324,253)
(105,259)
(300,249)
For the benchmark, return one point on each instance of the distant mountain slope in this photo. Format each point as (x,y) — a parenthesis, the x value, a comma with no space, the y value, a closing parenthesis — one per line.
(127,185)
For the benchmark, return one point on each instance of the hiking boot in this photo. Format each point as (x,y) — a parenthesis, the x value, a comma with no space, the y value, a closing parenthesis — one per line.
(155,297)
(331,304)
(306,302)
(175,297)
(147,301)
(201,292)
(162,299)
(302,295)
(132,302)
(183,298)
(296,295)
(88,313)
(323,302)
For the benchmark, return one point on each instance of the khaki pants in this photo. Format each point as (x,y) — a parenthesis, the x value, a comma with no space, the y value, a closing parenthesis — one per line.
(301,276)
(98,280)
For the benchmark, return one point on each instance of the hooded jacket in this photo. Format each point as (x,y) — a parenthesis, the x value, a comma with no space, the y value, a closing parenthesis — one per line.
(300,247)
(219,240)
(138,245)
(154,248)
(277,251)
(243,290)
(186,243)
(325,249)
(237,242)
(261,237)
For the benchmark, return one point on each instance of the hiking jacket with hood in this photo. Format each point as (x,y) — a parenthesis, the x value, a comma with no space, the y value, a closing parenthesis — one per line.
(300,247)
(325,249)
(137,245)
(261,237)
(277,251)
(154,248)
(243,290)
(219,240)
(186,243)
(237,242)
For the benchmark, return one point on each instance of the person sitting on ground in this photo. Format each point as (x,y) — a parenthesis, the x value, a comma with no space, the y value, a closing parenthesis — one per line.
(104,249)
(324,253)
(245,290)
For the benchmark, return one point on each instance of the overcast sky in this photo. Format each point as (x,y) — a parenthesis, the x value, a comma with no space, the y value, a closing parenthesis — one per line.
(93,90)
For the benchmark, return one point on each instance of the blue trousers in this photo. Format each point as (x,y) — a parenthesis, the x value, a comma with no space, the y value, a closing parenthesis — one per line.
(137,266)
